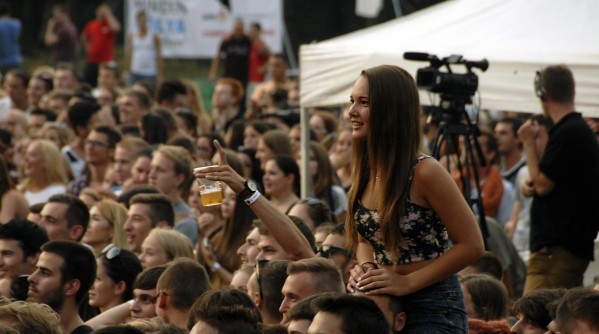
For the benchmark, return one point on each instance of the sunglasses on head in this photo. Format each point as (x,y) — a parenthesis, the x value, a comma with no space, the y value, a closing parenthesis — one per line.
(111,252)
(328,250)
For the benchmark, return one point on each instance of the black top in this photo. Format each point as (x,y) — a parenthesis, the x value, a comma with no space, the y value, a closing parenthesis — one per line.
(83,329)
(235,52)
(569,215)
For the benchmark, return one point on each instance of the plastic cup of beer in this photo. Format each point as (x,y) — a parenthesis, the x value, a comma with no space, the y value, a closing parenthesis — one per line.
(210,191)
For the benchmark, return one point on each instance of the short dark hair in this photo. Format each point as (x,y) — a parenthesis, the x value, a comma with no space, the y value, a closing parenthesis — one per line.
(37,208)
(161,208)
(129,129)
(514,122)
(122,268)
(489,264)
(184,142)
(326,277)
(304,309)
(184,292)
(557,82)
(84,94)
(78,263)
(533,306)
(80,113)
(147,279)
(189,118)
(223,297)
(126,196)
(49,115)
(339,229)
(154,128)
(30,236)
(231,320)
(256,25)
(113,134)
(580,304)
(21,74)
(46,78)
(169,90)
(358,314)
(77,212)
(272,278)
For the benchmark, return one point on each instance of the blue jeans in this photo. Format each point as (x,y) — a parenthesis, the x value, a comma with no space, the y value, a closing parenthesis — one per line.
(436,309)
(134,78)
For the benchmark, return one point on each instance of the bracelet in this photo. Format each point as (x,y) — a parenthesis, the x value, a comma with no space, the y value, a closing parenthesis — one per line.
(216,266)
(253,198)
(369,265)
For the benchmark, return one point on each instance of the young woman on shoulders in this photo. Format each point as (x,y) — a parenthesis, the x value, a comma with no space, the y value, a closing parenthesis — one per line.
(404,208)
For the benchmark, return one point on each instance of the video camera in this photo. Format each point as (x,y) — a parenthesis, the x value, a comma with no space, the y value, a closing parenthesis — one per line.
(450,85)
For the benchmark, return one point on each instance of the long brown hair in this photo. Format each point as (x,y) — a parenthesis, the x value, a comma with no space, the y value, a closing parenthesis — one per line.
(5,179)
(389,151)
(325,178)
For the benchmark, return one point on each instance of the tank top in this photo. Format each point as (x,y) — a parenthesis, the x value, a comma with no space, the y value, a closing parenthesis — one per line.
(143,56)
(424,237)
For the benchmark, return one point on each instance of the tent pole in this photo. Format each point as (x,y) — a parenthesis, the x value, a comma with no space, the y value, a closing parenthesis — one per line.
(306,184)
(397,7)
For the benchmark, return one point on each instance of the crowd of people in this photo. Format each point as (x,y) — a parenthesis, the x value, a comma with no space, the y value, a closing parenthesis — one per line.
(103,229)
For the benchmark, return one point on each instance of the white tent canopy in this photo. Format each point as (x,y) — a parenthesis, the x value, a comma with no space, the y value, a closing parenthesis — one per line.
(517,37)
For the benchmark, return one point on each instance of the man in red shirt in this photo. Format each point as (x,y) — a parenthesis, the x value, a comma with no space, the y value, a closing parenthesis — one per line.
(259,54)
(98,40)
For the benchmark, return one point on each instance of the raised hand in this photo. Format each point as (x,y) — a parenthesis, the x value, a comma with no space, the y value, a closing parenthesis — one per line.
(221,172)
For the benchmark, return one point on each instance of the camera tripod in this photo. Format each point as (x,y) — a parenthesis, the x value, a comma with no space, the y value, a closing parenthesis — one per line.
(447,143)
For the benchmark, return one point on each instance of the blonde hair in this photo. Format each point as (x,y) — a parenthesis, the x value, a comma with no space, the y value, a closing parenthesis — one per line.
(152,325)
(116,214)
(174,243)
(20,117)
(197,107)
(247,268)
(61,130)
(181,160)
(32,318)
(55,169)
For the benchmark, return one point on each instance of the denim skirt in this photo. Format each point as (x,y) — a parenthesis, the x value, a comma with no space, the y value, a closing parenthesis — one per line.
(438,308)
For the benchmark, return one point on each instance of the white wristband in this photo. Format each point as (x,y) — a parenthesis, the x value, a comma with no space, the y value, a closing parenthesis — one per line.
(216,266)
(253,198)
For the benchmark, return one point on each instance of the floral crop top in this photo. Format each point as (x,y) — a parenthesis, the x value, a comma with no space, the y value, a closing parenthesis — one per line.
(424,236)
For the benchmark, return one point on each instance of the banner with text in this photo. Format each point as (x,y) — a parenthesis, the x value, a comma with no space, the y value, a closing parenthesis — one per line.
(195,28)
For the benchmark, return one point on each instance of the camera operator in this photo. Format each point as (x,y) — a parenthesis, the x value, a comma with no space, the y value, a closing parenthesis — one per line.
(564,184)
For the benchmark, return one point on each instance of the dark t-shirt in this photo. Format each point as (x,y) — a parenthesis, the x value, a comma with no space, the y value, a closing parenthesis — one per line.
(569,215)
(83,329)
(65,48)
(235,52)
